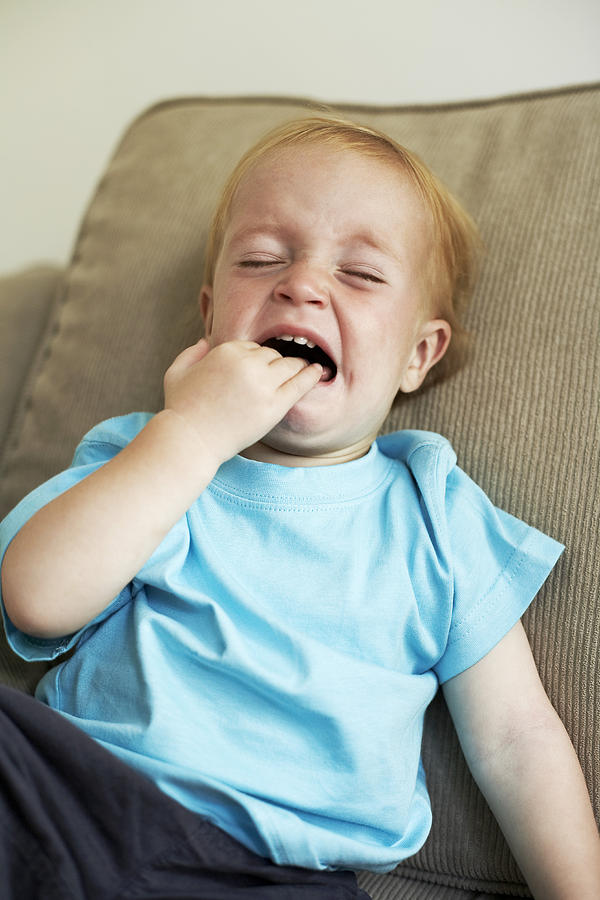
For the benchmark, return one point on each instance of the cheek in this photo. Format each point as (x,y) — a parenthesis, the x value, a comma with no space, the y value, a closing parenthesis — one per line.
(234,315)
(392,360)
(374,368)
(386,345)
(227,305)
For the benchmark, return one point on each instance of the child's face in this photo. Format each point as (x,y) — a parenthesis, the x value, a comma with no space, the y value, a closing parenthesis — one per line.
(332,246)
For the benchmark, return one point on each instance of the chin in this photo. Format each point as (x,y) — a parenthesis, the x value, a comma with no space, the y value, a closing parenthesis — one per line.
(316,428)
(299,434)
(298,442)
(303,432)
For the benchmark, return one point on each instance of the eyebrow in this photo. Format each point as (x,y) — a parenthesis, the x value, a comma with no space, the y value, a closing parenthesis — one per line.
(364,237)
(250,231)
(374,241)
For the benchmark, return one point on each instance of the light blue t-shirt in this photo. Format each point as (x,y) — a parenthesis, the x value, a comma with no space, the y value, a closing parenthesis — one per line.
(270,665)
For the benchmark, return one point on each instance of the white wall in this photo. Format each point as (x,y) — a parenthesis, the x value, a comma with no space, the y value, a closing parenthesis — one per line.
(75,72)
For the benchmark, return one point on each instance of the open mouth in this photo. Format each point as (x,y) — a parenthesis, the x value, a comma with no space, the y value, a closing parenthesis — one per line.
(301,347)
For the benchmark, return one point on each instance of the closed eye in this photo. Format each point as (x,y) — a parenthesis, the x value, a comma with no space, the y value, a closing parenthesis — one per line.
(265,263)
(257,263)
(366,276)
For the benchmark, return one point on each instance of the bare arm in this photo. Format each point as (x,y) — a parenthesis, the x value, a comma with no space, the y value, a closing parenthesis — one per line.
(78,552)
(526,767)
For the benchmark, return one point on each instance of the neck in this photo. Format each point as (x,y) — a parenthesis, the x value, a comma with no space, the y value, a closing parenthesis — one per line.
(262,452)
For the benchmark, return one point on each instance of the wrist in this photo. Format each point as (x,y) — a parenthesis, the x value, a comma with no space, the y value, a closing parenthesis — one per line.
(188,442)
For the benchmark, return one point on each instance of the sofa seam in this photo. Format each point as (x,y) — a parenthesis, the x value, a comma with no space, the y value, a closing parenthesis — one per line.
(314,103)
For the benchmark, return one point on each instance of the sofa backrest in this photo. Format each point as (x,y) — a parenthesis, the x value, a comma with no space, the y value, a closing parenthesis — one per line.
(522,415)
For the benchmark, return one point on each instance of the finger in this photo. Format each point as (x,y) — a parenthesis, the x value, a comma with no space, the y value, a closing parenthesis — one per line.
(288,365)
(249,345)
(303,381)
(285,368)
(273,352)
(188,358)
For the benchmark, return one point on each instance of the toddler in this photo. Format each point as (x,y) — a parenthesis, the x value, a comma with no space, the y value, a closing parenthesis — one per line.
(262,597)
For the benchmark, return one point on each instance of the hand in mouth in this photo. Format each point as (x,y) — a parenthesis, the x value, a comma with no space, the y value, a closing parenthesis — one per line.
(300,346)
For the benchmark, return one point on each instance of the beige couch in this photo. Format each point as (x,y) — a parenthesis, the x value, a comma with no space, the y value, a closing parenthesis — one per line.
(92,341)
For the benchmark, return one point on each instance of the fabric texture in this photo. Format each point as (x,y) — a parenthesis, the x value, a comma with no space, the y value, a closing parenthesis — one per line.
(25,305)
(522,415)
(78,823)
(283,611)
(397,886)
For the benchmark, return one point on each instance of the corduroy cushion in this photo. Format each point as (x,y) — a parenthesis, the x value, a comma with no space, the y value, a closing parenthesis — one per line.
(25,305)
(523,414)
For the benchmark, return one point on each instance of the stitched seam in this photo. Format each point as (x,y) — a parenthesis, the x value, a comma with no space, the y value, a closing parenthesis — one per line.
(301,504)
(507,575)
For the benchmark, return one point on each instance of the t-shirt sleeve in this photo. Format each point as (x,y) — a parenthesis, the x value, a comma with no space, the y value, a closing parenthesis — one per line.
(498,564)
(100,445)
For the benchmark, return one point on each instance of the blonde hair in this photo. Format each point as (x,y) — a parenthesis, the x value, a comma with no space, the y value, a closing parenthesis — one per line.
(456,241)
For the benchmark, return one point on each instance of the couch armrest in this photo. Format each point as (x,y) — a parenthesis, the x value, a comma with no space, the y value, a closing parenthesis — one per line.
(26,298)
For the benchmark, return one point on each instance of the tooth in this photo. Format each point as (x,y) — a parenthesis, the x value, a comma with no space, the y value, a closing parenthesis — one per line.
(310,344)
(285,337)
(301,340)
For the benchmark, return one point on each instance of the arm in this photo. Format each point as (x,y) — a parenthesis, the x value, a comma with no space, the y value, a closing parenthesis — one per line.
(524,763)
(77,553)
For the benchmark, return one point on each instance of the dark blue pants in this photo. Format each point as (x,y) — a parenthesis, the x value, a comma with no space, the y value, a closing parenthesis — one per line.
(76,822)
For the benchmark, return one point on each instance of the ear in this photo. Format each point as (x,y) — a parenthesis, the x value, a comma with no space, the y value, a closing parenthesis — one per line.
(432,343)
(206,308)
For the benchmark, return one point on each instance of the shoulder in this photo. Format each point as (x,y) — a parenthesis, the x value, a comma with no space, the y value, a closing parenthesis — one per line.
(470,530)
(110,436)
(428,456)
(419,450)
(432,463)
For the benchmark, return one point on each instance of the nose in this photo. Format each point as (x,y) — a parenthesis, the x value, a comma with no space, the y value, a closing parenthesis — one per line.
(304,282)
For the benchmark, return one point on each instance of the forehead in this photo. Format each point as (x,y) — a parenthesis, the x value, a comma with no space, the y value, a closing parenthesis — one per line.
(328,185)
